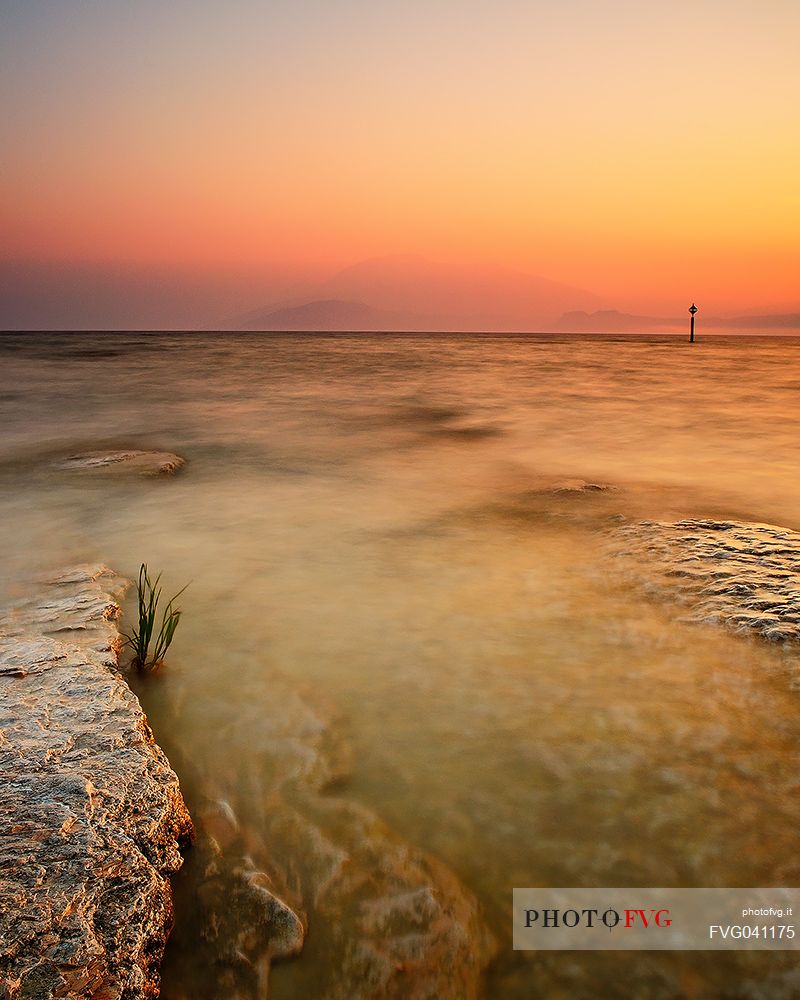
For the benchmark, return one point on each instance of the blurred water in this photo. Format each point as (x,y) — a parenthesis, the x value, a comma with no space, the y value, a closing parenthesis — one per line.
(376,551)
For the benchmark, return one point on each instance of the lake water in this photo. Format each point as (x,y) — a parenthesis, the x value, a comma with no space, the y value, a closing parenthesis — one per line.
(408,662)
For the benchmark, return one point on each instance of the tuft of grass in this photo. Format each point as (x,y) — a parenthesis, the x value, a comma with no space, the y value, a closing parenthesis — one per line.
(140,637)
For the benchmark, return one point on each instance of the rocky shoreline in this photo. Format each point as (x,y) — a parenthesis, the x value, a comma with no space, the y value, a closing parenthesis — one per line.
(91,813)
(93,818)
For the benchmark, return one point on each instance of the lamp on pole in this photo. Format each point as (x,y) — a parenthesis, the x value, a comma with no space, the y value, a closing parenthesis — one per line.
(692,311)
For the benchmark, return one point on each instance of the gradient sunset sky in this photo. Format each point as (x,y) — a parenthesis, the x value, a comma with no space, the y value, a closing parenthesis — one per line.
(646,151)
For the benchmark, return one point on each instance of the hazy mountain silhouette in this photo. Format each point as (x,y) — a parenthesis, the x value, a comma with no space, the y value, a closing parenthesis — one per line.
(412,292)
(612,321)
(483,297)
(773,321)
(114,295)
(386,293)
(329,314)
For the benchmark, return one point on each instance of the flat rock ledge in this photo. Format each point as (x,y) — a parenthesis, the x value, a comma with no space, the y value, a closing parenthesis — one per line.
(145,463)
(743,576)
(91,814)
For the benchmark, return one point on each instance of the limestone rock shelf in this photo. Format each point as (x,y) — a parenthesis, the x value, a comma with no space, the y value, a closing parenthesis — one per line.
(91,814)
(740,575)
(146,463)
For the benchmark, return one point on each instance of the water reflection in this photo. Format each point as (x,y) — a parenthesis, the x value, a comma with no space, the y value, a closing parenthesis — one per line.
(406,650)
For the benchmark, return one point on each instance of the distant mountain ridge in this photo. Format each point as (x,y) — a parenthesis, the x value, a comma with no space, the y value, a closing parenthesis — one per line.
(400,292)
(327,314)
(408,292)
(613,321)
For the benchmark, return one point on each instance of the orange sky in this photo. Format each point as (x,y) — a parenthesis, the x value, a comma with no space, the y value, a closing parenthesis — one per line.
(645,151)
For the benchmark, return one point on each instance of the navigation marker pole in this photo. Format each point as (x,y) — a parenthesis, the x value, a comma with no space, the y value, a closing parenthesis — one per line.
(692,310)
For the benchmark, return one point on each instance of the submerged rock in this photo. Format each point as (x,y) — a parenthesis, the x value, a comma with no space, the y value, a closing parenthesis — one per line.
(91,814)
(146,463)
(241,917)
(564,489)
(282,848)
(743,576)
(578,487)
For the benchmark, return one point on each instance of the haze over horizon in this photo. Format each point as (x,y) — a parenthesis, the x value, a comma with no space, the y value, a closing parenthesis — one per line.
(186,165)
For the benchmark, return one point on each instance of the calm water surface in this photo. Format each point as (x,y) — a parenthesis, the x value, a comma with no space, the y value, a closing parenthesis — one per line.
(383,573)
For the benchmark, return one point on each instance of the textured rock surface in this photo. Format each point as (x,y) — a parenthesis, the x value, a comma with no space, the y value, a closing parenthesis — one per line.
(91,814)
(147,463)
(744,576)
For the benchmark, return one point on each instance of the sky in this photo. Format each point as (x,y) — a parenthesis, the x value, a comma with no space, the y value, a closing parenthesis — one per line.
(646,152)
